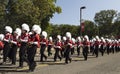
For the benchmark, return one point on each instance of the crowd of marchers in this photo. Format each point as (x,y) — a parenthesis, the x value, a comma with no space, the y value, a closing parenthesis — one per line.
(29,40)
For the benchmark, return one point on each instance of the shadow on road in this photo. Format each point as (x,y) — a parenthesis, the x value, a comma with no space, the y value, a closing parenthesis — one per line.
(6,71)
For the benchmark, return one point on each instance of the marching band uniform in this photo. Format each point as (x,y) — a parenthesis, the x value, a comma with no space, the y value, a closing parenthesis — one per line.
(116,46)
(86,45)
(44,43)
(112,47)
(7,44)
(34,43)
(68,45)
(79,44)
(108,46)
(14,45)
(58,48)
(102,45)
(24,42)
(96,45)
(73,46)
(50,45)
(1,43)
(63,48)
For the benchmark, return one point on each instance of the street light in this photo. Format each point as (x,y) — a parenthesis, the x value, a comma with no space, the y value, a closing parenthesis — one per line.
(83,7)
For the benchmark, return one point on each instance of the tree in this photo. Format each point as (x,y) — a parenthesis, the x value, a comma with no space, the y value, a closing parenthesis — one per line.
(28,11)
(90,29)
(104,20)
(105,17)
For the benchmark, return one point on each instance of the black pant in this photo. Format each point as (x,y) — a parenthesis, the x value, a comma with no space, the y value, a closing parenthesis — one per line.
(116,49)
(57,50)
(49,50)
(23,54)
(31,56)
(6,51)
(72,51)
(67,54)
(112,49)
(108,50)
(102,50)
(96,50)
(78,50)
(85,52)
(42,50)
(62,52)
(13,53)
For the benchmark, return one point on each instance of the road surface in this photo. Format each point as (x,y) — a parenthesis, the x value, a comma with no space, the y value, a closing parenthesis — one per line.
(107,64)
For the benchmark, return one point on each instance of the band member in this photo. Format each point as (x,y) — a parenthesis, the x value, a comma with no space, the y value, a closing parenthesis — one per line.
(63,48)
(1,43)
(112,47)
(96,45)
(68,46)
(7,44)
(108,46)
(44,43)
(79,44)
(50,45)
(116,45)
(102,46)
(73,46)
(86,46)
(14,45)
(24,45)
(34,43)
(58,48)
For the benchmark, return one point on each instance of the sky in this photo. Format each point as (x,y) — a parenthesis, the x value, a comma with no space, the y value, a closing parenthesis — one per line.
(71,10)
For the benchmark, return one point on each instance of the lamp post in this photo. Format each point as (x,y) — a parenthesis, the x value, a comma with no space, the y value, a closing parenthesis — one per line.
(83,7)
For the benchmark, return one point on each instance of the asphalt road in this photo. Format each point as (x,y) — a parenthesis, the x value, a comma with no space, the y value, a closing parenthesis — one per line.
(107,64)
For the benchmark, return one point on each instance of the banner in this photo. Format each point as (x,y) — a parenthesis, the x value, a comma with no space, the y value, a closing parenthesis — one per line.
(82,27)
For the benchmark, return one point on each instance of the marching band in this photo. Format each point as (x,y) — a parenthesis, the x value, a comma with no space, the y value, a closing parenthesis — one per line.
(28,41)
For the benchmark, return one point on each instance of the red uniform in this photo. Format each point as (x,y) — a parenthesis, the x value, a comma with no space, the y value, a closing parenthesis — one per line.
(1,45)
(24,37)
(86,44)
(79,44)
(58,45)
(15,40)
(7,37)
(44,41)
(69,43)
(96,43)
(35,39)
(23,48)
(6,49)
(50,43)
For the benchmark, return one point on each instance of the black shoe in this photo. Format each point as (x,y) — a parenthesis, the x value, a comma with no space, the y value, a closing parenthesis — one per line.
(70,60)
(54,60)
(41,60)
(60,59)
(85,59)
(30,70)
(45,58)
(66,62)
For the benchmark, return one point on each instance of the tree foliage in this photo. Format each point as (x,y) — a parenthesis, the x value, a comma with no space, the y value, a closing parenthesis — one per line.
(105,19)
(90,28)
(16,12)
